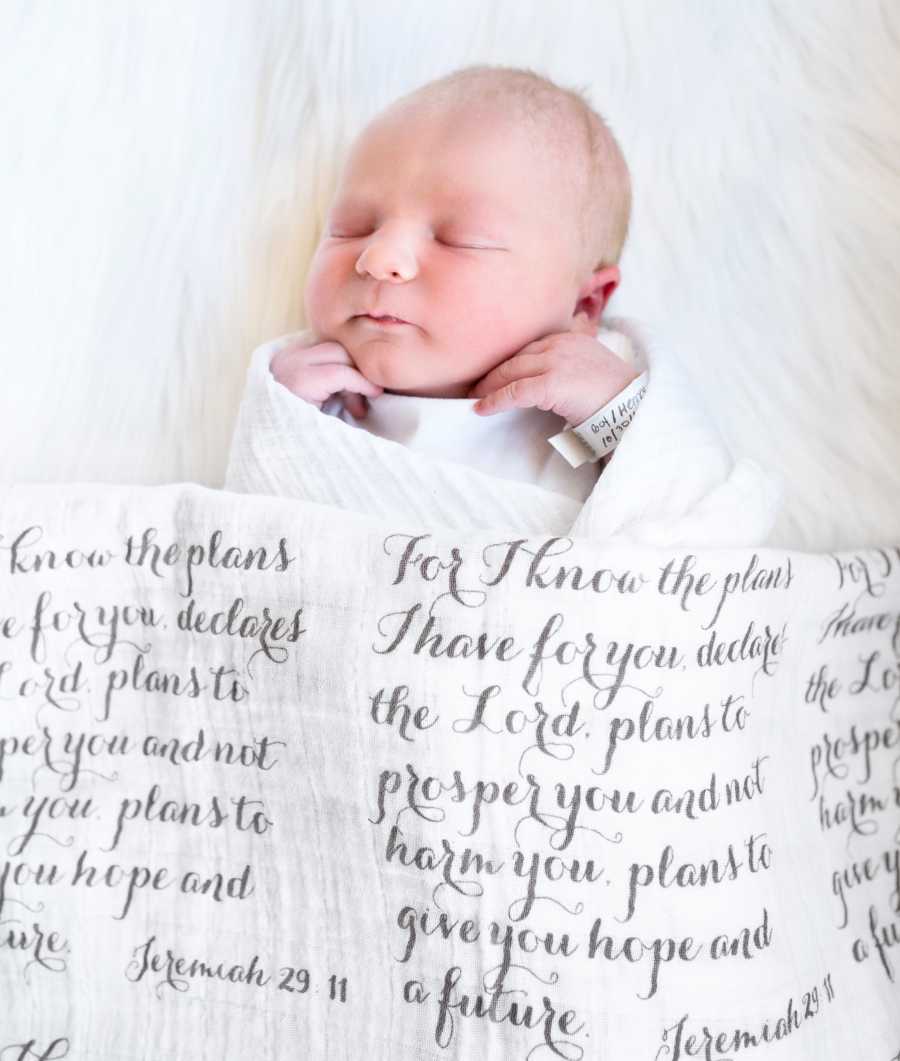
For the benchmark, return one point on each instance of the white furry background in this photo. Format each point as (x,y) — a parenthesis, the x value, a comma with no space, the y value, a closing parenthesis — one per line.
(164,168)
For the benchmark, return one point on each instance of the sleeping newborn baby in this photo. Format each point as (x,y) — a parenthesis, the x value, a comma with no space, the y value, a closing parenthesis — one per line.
(455,297)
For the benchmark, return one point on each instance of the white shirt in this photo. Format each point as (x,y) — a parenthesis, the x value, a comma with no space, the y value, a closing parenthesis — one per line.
(509,445)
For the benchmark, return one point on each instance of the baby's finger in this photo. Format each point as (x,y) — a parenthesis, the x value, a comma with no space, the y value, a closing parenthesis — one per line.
(291,363)
(344,378)
(355,404)
(324,353)
(525,393)
(513,368)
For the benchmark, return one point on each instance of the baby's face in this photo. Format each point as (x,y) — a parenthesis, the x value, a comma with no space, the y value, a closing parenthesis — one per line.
(451,223)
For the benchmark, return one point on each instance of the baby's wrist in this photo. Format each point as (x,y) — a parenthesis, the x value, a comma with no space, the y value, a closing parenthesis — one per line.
(591,401)
(598,435)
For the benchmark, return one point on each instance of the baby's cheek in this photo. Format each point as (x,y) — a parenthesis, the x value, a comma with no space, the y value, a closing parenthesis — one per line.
(482,312)
(323,285)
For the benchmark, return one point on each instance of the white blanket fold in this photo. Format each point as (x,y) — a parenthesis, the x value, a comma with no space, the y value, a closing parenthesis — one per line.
(671,480)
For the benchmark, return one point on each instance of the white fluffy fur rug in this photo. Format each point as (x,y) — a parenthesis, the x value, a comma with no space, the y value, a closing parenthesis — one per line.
(165,168)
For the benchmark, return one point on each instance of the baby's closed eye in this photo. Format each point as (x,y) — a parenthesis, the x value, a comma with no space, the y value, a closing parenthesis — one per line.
(446,241)
(449,241)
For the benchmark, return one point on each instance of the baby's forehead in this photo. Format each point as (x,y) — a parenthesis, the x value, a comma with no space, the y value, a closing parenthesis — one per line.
(544,146)
(542,129)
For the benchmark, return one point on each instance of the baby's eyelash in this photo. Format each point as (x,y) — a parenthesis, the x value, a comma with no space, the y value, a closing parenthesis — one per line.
(444,242)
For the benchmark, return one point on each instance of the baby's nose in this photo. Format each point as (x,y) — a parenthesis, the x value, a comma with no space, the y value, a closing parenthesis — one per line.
(386,259)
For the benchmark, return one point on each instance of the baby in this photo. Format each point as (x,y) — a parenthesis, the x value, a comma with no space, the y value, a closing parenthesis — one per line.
(469,253)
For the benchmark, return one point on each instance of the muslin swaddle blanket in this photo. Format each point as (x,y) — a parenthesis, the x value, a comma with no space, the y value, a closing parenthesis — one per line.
(414,763)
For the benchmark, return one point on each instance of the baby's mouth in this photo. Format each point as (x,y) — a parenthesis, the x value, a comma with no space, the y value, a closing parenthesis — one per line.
(382,320)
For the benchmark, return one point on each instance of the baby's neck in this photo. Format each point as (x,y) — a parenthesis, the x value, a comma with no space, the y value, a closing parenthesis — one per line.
(450,390)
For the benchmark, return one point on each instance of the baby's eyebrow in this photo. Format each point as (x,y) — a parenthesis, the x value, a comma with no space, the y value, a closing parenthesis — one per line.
(480,204)
(486,211)
(358,205)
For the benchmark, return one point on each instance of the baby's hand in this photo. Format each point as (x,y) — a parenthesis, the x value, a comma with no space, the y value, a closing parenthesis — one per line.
(315,372)
(567,373)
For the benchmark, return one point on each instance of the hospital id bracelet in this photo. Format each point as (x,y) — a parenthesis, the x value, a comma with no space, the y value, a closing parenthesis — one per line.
(599,435)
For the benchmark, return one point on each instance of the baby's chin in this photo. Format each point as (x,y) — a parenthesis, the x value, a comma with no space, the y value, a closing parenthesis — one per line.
(398,373)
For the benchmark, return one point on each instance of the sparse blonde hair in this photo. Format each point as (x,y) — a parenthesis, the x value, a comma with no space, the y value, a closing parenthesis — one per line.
(561,118)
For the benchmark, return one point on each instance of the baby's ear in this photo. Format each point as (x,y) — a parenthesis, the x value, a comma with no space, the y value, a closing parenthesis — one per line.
(583,325)
(593,295)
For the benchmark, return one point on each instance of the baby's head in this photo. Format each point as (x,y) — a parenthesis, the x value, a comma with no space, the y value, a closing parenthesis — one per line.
(485,210)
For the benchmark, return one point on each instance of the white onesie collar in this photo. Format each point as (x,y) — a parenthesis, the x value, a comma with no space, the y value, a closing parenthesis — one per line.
(442,425)
(510,445)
